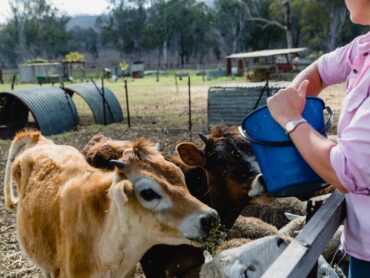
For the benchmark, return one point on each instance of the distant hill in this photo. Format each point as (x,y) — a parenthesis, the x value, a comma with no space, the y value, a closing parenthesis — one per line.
(83,21)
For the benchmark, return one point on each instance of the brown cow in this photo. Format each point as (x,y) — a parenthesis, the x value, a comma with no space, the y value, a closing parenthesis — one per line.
(233,175)
(74,220)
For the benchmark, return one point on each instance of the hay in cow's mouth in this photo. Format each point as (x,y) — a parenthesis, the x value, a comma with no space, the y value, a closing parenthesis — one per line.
(216,238)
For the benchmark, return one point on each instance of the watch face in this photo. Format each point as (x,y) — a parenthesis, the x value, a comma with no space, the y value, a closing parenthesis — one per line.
(289,126)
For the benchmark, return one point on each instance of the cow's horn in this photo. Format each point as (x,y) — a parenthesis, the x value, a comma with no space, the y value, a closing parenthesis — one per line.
(118,163)
(203,137)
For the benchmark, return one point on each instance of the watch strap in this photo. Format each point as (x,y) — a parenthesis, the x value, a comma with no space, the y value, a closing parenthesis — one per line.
(292,125)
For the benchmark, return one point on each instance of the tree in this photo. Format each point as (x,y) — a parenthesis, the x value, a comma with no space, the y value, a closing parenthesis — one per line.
(231,22)
(35,29)
(158,29)
(124,25)
(133,28)
(322,22)
(190,29)
(282,19)
(262,36)
(85,39)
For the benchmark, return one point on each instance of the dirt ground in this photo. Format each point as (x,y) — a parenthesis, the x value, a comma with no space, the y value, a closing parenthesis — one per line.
(12,262)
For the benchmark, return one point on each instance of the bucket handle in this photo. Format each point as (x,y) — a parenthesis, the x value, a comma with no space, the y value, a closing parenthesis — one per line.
(325,128)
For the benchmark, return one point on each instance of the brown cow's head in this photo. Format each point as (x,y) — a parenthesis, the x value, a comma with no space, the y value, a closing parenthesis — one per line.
(100,149)
(157,196)
(232,172)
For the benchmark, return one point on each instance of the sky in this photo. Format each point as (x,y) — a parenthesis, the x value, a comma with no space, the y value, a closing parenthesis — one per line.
(70,7)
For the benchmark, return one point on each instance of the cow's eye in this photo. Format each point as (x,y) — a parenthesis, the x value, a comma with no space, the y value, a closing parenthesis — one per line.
(222,160)
(149,194)
(250,268)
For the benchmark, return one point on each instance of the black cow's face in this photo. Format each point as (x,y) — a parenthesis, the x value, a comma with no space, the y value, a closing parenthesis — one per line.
(230,173)
(231,170)
(224,157)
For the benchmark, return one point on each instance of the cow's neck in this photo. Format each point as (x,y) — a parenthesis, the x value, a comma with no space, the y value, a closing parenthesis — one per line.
(120,245)
(221,199)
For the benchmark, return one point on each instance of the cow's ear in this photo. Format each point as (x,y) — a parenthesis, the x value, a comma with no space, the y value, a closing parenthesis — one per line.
(120,192)
(190,154)
(258,186)
(207,257)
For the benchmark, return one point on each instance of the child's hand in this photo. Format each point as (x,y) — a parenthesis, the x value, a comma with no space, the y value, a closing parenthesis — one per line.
(288,104)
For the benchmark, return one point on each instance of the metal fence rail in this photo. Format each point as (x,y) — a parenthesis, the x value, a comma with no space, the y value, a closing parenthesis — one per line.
(300,256)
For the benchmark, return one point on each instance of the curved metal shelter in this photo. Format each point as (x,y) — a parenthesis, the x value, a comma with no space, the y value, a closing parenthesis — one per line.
(51,107)
(100,100)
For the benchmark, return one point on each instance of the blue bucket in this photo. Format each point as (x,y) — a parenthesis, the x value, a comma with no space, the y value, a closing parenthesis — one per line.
(284,170)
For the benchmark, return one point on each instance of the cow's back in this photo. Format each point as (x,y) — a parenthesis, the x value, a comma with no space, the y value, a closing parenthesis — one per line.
(43,174)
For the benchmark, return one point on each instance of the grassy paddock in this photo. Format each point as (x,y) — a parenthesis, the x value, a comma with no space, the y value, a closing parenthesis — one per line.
(164,104)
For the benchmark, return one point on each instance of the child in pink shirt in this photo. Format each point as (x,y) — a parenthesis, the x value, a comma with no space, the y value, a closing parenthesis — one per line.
(345,165)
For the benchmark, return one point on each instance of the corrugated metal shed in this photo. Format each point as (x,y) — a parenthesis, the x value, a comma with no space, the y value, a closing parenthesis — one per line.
(52,109)
(229,104)
(93,97)
(266,53)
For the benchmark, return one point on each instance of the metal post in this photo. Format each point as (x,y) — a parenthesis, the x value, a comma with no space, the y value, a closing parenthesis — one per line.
(203,73)
(127,106)
(189,107)
(177,86)
(103,96)
(1,77)
(13,81)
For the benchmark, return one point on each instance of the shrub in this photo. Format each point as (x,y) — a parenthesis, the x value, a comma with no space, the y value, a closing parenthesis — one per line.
(75,57)
(37,61)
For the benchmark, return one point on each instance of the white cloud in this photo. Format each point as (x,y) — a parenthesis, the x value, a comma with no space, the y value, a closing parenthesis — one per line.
(70,7)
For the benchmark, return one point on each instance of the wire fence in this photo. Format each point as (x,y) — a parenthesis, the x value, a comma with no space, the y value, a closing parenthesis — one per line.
(163,102)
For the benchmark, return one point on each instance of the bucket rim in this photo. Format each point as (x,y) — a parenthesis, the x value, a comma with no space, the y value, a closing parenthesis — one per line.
(265,106)
(246,136)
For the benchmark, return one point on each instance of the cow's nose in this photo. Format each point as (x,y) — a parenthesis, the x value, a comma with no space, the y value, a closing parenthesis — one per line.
(209,221)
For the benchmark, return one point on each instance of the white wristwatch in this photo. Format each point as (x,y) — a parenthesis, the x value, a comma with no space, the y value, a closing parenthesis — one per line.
(290,126)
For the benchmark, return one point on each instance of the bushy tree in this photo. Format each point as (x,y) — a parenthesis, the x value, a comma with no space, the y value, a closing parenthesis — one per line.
(191,26)
(231,23)
(322,22)
(136,26)
(123,27)
(84,39)
(187,28)
(35,29)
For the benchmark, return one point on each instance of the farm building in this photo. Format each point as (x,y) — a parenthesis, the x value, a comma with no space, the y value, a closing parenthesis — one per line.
(40,72)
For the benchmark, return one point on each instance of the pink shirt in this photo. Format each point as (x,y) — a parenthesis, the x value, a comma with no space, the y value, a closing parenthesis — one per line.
(350,158)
